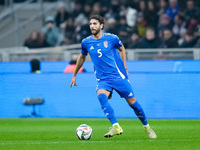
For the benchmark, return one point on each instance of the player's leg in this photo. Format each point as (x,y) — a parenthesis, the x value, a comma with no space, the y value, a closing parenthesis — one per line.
(109,112)
(141,115)
(124,88)
(138,110)
(105,105)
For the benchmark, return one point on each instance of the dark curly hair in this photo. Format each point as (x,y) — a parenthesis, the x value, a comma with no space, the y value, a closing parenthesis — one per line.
(98,17)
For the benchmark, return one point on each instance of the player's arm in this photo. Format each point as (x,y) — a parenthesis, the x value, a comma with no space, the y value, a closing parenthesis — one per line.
(79,64)
(123,56)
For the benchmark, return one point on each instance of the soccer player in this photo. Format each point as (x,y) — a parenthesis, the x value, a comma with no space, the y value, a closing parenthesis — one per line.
(111,73)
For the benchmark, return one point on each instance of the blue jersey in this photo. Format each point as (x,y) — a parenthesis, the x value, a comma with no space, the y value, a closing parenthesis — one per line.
(108,64)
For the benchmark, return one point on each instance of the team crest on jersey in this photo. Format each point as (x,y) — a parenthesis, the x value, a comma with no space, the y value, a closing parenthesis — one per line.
(105,43)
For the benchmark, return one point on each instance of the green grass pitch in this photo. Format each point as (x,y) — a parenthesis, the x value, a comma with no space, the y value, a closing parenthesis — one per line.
(60,134)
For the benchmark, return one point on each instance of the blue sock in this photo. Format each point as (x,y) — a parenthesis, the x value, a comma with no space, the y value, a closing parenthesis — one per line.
(139,112)
(106,107)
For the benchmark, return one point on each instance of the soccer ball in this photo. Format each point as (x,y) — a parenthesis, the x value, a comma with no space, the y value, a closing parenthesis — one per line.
(84,132)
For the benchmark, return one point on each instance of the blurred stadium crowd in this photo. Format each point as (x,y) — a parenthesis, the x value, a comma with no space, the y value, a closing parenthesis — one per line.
(138,23)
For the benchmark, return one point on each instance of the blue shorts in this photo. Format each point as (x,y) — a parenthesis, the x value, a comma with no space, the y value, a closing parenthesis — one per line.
(122,87)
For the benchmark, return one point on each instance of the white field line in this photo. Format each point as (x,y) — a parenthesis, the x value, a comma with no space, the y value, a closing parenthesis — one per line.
(3,143)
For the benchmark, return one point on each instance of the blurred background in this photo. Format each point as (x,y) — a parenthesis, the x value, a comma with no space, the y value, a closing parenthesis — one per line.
(40,41)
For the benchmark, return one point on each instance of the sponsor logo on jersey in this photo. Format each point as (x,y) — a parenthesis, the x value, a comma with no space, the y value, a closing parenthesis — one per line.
(105,43)
(91,47)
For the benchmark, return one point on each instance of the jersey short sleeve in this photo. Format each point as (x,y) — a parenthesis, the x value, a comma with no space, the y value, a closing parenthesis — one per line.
(83,49)
(118,42)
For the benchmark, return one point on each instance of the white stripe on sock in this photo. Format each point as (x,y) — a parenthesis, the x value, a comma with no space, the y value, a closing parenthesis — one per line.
(116,124)
(146,125)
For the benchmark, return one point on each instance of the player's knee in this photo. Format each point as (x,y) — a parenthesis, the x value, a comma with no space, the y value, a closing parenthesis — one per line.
(102,98)
(131,101)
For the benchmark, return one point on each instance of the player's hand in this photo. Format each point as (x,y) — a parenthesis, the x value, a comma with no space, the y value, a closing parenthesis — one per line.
(127,73)
(73,82)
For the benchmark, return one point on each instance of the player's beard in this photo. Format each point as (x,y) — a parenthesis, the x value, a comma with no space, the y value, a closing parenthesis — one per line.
(95,32)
